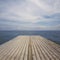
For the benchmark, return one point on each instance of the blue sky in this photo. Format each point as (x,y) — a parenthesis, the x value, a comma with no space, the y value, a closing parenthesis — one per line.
(29,14)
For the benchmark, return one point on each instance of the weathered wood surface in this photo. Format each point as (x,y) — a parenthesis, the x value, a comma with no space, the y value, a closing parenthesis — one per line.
(29,48)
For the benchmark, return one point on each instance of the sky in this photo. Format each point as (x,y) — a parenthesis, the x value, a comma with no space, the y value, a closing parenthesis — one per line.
(29,14)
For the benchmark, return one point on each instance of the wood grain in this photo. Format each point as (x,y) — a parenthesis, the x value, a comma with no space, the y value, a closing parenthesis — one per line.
(29,48)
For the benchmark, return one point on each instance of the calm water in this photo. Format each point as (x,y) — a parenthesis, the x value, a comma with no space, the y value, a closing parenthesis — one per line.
(8,35)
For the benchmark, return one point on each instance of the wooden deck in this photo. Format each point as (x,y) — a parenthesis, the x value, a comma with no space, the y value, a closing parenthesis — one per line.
(29,48)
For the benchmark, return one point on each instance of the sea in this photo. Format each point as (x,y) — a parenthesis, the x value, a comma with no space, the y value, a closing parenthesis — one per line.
(50,35)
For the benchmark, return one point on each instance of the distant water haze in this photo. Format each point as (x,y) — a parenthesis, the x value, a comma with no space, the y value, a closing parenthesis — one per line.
(50,35)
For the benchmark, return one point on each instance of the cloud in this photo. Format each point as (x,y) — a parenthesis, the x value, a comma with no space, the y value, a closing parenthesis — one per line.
(29,14)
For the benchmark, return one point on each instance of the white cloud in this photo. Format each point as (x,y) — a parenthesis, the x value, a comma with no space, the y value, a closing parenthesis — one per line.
(42,5)
(32,11)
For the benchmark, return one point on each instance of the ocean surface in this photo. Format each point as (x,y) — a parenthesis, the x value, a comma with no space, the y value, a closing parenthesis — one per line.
(8,35)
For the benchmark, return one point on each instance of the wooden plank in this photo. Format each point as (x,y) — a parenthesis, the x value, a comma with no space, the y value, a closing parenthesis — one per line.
(29,48)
